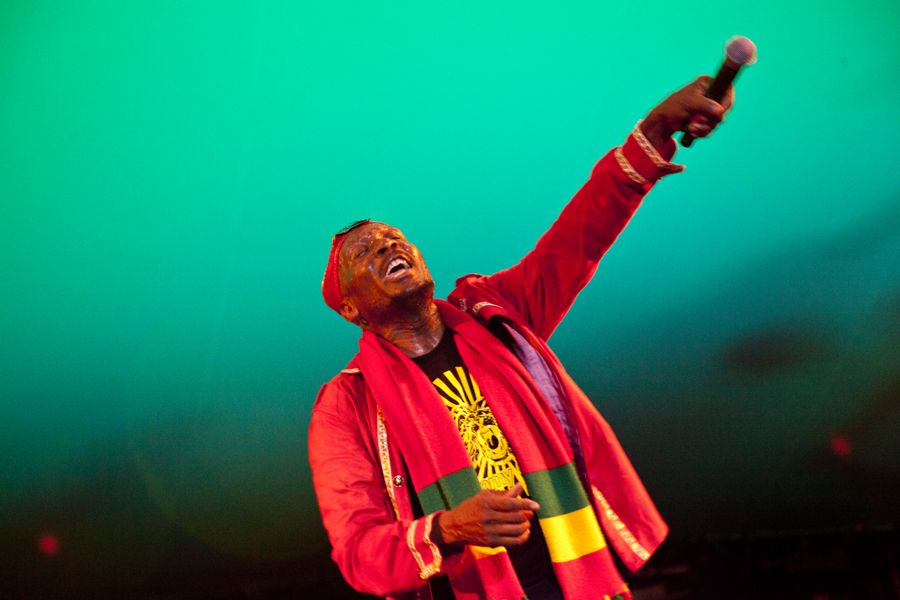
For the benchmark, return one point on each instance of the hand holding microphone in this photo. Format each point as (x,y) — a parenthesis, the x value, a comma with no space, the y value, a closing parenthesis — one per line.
(739,52)
(693,109)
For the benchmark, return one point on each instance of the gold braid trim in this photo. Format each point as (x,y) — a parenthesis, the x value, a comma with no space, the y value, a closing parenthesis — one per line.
(385,457)
(435,566)
(629,170)
(424,571)
(619,526)
(481,305)
(411,543)
(648,148)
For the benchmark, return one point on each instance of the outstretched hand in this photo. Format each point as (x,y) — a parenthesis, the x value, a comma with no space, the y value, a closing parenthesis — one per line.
(686,110)
(490,518)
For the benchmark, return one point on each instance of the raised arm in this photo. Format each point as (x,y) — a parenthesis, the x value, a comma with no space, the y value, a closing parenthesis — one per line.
(543,286)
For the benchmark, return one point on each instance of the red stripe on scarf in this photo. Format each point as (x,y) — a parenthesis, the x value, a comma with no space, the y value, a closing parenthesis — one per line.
(414,413)
(590,577)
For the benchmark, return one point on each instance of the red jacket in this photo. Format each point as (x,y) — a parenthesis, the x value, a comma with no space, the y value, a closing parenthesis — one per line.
(357,469)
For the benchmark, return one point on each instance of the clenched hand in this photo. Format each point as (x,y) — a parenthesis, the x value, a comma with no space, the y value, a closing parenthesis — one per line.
(687,109)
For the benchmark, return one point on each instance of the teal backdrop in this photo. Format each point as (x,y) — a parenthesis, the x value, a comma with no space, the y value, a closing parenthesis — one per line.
(171,174)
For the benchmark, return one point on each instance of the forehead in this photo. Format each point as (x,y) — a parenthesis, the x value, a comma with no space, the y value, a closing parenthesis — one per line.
(368,233)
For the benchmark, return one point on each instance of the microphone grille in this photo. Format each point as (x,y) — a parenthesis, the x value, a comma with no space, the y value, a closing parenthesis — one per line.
(740,51)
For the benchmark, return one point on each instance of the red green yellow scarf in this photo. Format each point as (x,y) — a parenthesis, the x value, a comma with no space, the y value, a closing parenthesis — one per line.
(443,475)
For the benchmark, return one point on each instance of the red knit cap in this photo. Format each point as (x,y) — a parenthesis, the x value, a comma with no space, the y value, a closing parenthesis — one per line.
(331,283)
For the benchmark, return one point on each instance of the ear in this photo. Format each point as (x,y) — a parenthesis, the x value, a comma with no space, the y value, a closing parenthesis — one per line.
(349,312)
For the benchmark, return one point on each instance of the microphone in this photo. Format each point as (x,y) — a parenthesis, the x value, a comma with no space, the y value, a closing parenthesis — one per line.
(739,52)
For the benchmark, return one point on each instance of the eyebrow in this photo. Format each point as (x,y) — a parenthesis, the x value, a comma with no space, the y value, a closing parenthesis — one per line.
(365,240)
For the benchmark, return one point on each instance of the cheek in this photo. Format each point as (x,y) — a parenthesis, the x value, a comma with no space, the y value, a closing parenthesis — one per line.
(364,284)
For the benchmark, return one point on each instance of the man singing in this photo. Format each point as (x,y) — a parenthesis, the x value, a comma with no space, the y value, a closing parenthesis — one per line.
(454,456)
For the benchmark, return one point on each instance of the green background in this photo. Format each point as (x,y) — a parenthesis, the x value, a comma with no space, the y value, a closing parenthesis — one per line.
(171,174)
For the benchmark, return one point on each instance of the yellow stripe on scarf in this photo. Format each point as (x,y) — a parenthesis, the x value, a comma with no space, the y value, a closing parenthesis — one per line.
(572,535)
(482,551)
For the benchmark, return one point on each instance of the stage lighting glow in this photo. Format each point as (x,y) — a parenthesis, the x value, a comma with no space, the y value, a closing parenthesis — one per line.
(48,544)
(841,446)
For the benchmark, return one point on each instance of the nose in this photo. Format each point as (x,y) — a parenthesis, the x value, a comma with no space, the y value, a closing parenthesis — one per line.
(386,244)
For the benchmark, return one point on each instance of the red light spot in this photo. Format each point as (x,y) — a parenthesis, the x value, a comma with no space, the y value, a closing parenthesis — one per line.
(48,544)
(841,446)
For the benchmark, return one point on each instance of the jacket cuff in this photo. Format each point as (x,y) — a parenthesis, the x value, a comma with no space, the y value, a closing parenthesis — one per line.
(641,162)
(425,552)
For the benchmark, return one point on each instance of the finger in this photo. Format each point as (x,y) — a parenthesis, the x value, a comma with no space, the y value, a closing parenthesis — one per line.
(712,110)
(507,516)
(699,131)
(509,536)
(515,490)
(523,538)
(509,542)
(728,100)
(703,82)
(699,119)
(514,504)
(509,530)
(518,540)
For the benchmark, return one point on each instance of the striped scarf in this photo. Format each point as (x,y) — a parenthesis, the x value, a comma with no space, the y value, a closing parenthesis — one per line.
(443,475)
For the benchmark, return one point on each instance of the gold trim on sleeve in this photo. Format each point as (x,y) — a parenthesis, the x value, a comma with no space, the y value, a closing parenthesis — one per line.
(411,544)
(435,565)
(424,571)
(629,170)
(619,526)
(385,458)
(650,151)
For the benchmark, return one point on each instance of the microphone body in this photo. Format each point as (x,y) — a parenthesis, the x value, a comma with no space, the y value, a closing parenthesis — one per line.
(739,52)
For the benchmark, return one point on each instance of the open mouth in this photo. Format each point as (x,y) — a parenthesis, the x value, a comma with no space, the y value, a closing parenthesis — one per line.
(397,267)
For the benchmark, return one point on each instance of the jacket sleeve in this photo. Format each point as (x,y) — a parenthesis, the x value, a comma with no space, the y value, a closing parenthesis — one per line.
(543,286)
(376,552)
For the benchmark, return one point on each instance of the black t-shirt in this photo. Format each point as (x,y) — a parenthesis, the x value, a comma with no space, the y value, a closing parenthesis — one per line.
(492,456)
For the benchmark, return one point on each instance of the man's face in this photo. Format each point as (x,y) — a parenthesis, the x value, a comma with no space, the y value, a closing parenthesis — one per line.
(378,270)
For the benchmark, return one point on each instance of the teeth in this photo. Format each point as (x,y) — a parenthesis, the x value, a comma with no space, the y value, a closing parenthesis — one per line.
(396,262)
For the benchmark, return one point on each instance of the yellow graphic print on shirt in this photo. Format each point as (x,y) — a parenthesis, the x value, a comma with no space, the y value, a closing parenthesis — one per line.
(491,454)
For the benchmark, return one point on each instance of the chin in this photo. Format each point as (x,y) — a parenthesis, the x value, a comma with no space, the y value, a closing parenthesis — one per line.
(412,297)
(417,290)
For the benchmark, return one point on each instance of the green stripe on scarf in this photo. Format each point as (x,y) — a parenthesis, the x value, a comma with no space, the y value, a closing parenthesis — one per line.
(557,490)
(448,491)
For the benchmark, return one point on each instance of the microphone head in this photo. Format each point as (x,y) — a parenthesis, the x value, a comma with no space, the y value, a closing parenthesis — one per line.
(740,51)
